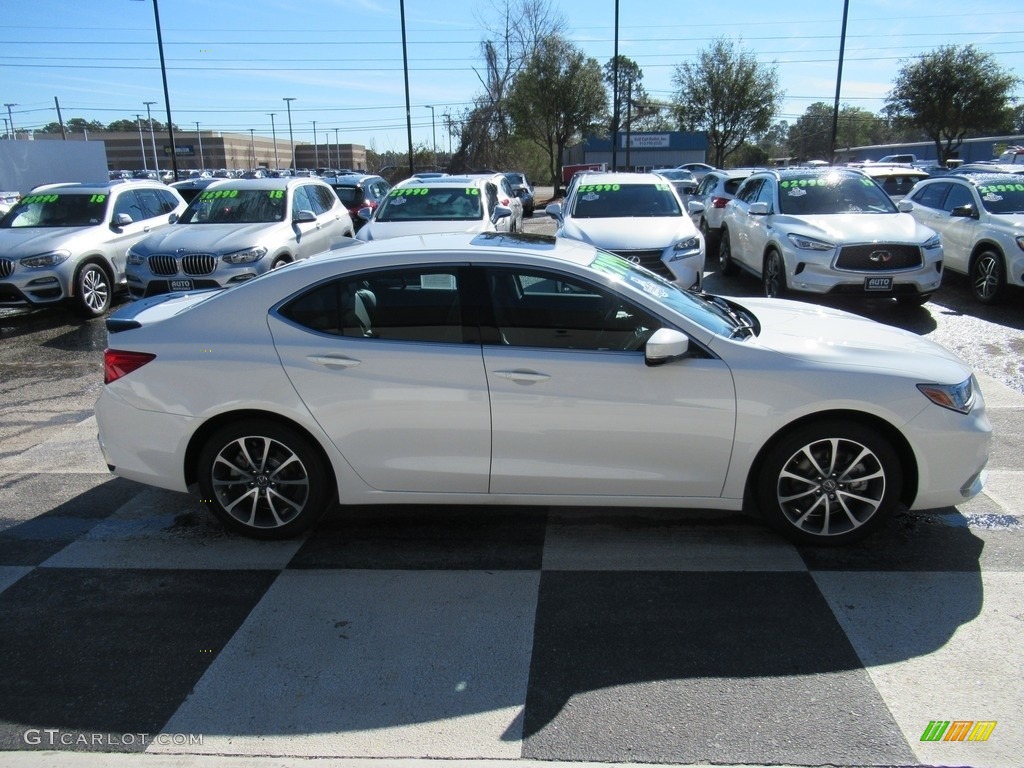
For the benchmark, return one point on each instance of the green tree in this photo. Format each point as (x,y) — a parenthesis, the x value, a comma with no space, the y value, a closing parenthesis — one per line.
(951,92)
(811,135)
(728,94)
(558,97)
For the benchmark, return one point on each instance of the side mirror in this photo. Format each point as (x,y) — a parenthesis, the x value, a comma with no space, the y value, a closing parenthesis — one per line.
(666,345)
(554,210)
(122,220)
(500,212)
(304,217)
(964,212)
(759,208)
(695,206)
(365,213)
(905,206)
(173,218)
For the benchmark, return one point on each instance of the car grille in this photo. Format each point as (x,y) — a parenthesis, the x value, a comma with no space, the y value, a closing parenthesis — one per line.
(190,264)
(6,267)
(649,259)
(879,257)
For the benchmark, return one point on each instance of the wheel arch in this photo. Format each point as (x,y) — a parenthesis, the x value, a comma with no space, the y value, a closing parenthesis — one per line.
(100,261)
(201,435)
(908,463)
(980,247)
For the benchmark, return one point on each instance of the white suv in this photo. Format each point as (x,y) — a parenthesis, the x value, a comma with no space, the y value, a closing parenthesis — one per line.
(980,217)
(828,231)
(70,241)
(236,229)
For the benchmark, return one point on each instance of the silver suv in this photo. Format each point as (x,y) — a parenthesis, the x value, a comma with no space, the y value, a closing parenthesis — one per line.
(236,229)
(70,241)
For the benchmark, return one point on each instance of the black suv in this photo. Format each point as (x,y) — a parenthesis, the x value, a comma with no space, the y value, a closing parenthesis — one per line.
(359,190)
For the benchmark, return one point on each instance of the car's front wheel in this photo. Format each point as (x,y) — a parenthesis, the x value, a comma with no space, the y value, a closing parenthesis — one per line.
(773,276)
(829,483)
(988,279)
(93,290)
(263,479)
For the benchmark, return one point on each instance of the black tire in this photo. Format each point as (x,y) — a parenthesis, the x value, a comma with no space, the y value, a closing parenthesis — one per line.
(264,480)
(710,238)
(725,263)
(829,484)
(773,276)
(988,277)
(94,291)
(280,261)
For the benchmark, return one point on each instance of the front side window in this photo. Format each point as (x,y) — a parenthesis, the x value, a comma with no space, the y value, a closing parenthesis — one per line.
(52,209)
(413,304)
(931,195)
(537,308)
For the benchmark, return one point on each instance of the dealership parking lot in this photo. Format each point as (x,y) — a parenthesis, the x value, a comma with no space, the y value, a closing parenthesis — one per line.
(134,623)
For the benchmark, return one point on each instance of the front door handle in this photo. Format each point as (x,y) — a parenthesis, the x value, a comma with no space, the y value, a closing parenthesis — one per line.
(523,377)
(333,361)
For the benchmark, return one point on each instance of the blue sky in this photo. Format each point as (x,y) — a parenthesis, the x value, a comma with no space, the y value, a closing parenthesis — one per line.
(231,62)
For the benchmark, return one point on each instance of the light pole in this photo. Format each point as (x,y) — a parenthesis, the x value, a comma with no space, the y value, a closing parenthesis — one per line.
(142,144)
(167,95)
(337,148)
(291,141)
(273,131)
(433,134)
(316,149)
(10,119)
(252,147)
(202,161)
(152,136)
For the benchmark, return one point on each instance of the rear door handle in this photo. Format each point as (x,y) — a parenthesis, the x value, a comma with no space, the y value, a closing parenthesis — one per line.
(523,377)
(333,361)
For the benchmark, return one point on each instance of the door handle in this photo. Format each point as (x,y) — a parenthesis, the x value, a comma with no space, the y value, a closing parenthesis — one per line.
(523,377)
(333,361)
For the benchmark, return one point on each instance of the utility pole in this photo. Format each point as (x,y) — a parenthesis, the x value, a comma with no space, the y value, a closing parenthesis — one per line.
(316,148)
(273,131)
(142,144)
(202,161)
(152,136)
(337,148)
(10,118)
(291,139)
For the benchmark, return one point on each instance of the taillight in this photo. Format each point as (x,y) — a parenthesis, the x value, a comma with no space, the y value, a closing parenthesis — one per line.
(719,202)
(118,363)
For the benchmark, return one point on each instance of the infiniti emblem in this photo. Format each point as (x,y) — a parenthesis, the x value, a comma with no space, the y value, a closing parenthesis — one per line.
(634,259)
(880,257)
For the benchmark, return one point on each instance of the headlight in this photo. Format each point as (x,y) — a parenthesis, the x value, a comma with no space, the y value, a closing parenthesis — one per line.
(956,397)
(247,256)
(809,243)
(134,260)
(43,260)
(1020,242)
(932,243)
(685,248)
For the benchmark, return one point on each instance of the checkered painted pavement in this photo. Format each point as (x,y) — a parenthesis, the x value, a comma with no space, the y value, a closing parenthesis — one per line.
(511,634)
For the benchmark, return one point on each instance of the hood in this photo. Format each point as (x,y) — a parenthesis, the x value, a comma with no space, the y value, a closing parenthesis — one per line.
(857,227)
(19,242)
(383,230)
(630,233)
(836,338)
(212,238)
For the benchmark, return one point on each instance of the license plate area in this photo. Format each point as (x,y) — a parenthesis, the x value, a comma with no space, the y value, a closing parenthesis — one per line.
(181,285)
(878,284)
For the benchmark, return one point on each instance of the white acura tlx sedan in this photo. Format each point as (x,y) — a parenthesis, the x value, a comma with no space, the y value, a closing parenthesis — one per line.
(497,369)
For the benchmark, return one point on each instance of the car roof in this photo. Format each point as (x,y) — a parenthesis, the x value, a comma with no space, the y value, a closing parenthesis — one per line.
(624,177)
(265,183)
(889,169)
(446,181)
(980,178)
(1000,168)
(804,171)
(350,179)
(91,187)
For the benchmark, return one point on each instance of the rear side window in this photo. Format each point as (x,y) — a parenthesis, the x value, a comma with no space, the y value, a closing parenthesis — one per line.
(421,304)
(932,195)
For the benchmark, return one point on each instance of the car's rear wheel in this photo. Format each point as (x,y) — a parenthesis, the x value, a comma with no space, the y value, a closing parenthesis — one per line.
(726,265)
(93,290)
(988,278)
(262,479)
(773,276)
(829,483)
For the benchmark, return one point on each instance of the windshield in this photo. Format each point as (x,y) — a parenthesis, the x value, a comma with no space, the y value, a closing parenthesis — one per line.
(431,204)
(816,195)
(236,206)
(606,201)
(57,210)
(1003,197)
(713,317)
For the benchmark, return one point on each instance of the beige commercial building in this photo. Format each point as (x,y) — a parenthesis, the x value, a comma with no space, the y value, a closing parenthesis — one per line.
(217,149)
